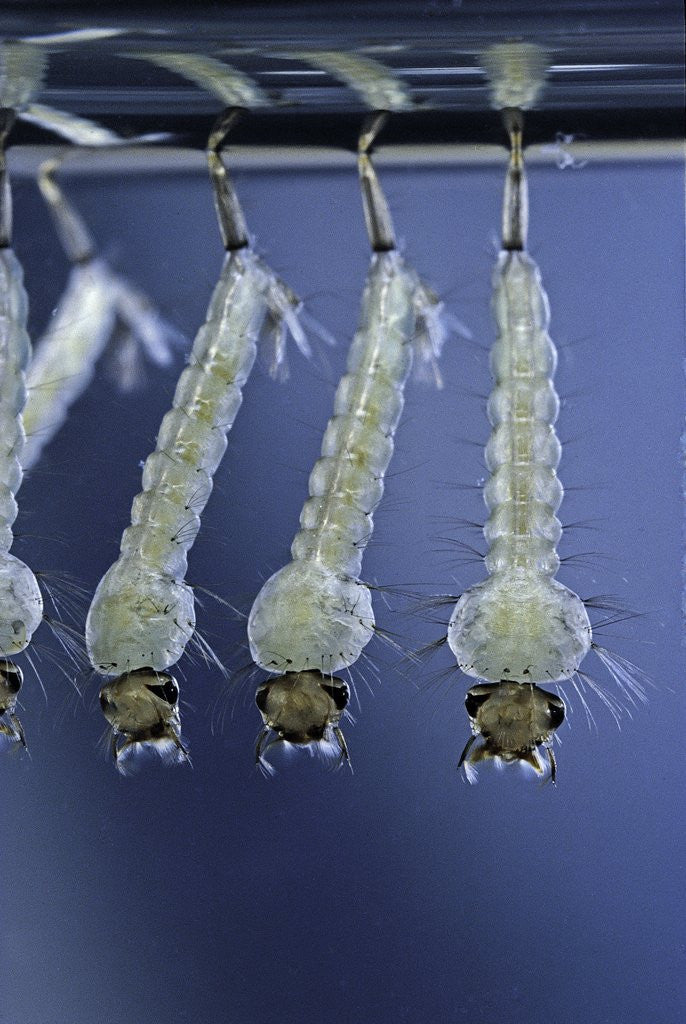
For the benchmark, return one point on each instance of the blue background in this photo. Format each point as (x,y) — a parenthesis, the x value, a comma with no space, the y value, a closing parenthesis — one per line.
(399,892)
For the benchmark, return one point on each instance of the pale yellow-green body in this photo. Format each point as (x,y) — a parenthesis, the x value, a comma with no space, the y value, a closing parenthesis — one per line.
(21,603)
(142,613)
(521,624)
(315,613)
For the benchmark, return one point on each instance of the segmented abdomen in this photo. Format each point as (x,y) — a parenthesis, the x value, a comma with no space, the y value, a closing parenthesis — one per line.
(314,612)
(177,476)
(523,492)
(142,612)
(21,603)
(15,352)
(347,482)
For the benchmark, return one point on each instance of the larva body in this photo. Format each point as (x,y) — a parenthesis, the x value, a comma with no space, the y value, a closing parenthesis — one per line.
(142,613)
(521,624)
(22,71)
(314,613)
(64,361)
(82,326)
(520,627)
(314,617)
(21,604)
(93,303)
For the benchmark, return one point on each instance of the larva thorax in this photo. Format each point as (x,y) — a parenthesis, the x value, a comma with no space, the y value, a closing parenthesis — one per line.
(308,617)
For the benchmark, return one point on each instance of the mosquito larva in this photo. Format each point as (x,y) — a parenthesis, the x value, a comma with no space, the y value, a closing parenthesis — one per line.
(314,616)
(142,616)
(21,602)
(22,66)
(81,327)
(520,627)
(23,63)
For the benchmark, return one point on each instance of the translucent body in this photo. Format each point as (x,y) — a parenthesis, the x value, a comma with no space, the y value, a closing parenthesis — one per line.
(314,613)
(521,624)
(64,361)
(142,613)
(22,71)
(307,616)
(21,604)
(80,329)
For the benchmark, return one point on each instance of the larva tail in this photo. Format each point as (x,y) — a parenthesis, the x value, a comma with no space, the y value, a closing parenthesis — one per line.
(75,35)
(283,306)
(79,130)
(431,327)
(143,332)
(431,333)
(283,309)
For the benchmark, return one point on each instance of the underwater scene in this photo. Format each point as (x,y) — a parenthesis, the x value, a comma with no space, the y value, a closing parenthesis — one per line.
(341,522)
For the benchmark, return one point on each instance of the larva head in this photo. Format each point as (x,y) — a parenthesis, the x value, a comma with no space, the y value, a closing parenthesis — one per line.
(513,720)
(142,707)
(21,604)
(302,708)
(11,678)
